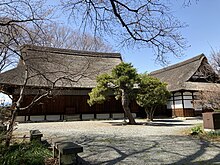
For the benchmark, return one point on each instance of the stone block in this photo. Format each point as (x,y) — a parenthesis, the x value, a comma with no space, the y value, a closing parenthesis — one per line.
(53,117)
(20,118)
(66,152)
(35,135)
(87,116)
(72,117)
(37,118)
(103,116)
(118,115)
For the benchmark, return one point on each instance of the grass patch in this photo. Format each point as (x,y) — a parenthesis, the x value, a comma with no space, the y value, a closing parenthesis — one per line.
(198,131)
(32,153)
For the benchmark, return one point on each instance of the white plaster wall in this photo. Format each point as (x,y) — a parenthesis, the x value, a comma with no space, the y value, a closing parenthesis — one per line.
(53,117)
(177,94)
(20,118)
(72,117)
(37,118)
(170,105)
(188,104)
(178,97)
(103,116)
(87,116)
(187,97)
(187,93)
(178,104)
(118,115)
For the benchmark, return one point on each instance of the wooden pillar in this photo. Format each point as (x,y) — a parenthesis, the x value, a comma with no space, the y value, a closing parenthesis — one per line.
(193,103)
(193,100)
(174,109)
(183,104)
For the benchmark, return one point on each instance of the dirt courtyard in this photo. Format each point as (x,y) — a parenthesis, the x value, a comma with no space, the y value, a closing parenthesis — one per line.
(112,142)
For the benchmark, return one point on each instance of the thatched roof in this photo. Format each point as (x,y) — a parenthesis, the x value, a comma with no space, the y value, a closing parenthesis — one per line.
(193,74)
(65,68)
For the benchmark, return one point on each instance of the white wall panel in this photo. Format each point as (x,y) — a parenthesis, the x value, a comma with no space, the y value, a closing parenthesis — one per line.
(170,105)
(53,117)
(118,115)
(187,97)
(37,118)
(188,104)
(103,116)
(178,104)
(87,116)
(177,97)
(187,93)
(20,118)
(72,117)
(177,94)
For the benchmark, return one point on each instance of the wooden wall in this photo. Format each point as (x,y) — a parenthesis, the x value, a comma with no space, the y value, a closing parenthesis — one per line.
(186,112)
(73,105)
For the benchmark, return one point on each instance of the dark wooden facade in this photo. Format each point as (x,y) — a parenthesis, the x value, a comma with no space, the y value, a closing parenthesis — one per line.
(70,105)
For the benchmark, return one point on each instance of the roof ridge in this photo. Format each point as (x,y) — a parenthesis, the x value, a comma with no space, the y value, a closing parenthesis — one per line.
(68,51)
(198,57)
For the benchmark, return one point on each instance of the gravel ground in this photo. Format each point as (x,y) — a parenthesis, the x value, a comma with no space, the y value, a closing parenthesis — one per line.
(112,142)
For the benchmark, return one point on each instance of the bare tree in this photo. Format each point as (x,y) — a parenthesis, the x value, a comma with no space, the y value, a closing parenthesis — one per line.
(209,99)
(29,22)
(144,23)
(189,2)
(215,60)
(60,36)
(7,58)
(17,17)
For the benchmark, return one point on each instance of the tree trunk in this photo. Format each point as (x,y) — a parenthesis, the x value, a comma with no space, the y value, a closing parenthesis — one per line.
(125,104)
(150,113)
(11,128)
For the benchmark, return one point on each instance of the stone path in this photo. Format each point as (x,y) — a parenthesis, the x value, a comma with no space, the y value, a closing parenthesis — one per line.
(110,142)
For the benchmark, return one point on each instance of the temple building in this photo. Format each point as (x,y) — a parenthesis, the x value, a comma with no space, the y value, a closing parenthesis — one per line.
(185,80)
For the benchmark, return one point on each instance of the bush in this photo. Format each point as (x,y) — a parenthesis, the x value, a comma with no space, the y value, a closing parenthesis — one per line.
(209,136)
(196,130)
(24,153)
(5,114)
(213,134)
